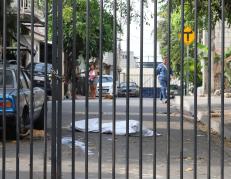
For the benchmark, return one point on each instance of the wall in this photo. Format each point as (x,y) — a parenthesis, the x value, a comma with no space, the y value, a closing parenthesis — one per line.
(123,61)
(36,47)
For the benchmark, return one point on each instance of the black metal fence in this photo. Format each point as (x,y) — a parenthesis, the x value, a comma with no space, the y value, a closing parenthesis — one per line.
(55,170)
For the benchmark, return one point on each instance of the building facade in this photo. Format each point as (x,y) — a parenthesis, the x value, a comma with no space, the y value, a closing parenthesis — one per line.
(39,30)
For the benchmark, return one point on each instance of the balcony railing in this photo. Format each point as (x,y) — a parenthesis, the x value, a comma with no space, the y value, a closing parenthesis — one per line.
(26,7)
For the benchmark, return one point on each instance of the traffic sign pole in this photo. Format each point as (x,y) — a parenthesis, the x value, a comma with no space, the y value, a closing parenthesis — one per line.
(189,37)
(187,75)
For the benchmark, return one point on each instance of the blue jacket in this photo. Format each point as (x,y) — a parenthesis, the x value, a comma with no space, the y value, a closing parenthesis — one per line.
(162,71)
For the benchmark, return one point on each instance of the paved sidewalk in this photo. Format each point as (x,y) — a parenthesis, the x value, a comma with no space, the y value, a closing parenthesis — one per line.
(202,114)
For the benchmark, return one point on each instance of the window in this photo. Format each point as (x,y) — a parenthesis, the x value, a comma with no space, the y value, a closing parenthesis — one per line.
(23,81)
(107,79)
(9,79)
(26,79)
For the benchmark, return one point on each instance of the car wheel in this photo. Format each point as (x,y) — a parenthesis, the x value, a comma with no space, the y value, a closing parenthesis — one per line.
(11,130)
(39,123)
(24,131)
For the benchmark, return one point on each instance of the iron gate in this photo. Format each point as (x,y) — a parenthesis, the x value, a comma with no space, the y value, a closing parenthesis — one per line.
(54,135)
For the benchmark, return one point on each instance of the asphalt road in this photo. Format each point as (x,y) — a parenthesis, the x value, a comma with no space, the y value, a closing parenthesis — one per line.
(161,160)
(107,109)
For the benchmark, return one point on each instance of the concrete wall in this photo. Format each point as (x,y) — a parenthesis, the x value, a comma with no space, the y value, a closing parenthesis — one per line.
(123,62)
(36,47)
(135,76)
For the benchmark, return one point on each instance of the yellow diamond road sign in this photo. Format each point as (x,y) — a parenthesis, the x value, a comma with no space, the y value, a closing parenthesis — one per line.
(188,36)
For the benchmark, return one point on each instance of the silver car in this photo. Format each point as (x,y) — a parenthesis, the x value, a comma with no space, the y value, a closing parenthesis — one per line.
(107,85)
(24,97)
(133,89)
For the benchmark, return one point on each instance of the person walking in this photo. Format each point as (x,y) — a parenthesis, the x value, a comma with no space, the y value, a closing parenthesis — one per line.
(92,81)
(162,72)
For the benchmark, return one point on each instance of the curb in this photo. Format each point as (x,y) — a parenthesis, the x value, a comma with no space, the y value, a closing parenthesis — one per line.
(215,124)
(202,115)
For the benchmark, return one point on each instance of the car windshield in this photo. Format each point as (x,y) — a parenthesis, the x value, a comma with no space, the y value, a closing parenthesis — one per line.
(9,79)
(132,84)
(106,79)
(123,85)
(40,68)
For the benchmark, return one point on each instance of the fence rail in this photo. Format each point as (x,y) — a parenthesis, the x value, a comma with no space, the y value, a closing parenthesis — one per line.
(28,107)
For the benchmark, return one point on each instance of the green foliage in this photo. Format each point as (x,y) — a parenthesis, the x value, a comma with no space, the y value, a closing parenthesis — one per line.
(81,27)
(227,68)
(189,66)
(202,10)
(94,26)
(40,4)
(227,74)
(228,52)
(176,20)
(203,54)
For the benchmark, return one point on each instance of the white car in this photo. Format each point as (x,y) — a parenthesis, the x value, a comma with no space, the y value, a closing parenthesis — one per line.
(107,85)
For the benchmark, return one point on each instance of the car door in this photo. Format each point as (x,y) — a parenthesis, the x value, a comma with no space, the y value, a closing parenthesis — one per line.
(24,95)
(38,96)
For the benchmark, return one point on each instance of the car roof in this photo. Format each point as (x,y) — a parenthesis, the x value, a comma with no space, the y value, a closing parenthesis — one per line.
(49,65)
(107,75)
(40,63)
(9,66)
(129,82)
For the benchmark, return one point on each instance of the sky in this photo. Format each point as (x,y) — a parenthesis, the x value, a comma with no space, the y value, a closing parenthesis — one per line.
(135,38)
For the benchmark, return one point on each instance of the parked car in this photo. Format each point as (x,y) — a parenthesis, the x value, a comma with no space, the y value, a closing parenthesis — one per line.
(174,90)
(107,85)
(133,89)
(39,75)
(24,97)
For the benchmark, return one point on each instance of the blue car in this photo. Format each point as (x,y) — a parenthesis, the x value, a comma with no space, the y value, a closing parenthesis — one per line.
(24,97)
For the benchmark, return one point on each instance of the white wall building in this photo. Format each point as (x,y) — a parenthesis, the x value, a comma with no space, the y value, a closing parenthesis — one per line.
(123,61)
(39,30)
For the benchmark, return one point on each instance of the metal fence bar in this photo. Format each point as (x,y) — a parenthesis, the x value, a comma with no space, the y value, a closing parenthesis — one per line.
(73,90)
(87,86)
(141,89)
(45,96)
(222,87)
(59,117)
(209,91)
(56,147)
(182,89)
(18,121)
(100,88)
(168,91)
(154,89)
(114,90)
(32,93)
(4,95)
(54,80)
(195,90)
(127,88)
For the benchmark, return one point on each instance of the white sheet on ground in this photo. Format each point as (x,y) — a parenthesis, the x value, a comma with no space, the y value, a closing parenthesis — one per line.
(93,126)
(79,144)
